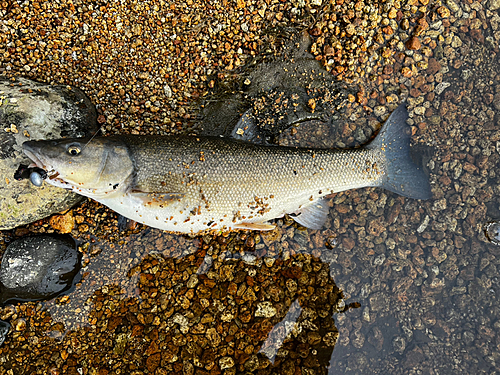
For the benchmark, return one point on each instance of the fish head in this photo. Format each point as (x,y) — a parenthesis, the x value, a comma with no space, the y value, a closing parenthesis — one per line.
(95,169)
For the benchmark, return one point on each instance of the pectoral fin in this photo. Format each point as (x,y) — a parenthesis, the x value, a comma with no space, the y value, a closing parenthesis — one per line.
(156,199)
(247,130)
(312,216)
(255,226)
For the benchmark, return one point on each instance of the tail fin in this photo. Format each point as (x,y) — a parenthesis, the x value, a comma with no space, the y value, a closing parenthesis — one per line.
(403,176)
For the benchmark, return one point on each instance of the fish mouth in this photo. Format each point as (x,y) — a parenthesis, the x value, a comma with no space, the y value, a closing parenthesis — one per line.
(38,162)
(52,174)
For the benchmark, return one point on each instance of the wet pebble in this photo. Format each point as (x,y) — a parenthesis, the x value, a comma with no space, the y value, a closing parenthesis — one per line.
(413,43)
(492,232)
(19,324)
(439,205)
(63,223)
(4,330)
(399,344)
(379,110)
(493,5)
(38,268)
(379,260)
(265,310)
(252,363)
(226,362)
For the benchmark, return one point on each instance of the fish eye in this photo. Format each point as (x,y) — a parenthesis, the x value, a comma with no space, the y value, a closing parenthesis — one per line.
(74,150)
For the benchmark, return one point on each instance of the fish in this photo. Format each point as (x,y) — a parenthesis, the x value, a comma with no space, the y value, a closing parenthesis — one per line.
(190,184)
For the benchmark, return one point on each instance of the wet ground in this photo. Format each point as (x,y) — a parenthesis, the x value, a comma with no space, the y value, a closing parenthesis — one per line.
(419,279)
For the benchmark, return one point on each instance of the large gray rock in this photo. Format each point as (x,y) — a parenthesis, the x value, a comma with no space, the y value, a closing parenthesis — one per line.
(34,111)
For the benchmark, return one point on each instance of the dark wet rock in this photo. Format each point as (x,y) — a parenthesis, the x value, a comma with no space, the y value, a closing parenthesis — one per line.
(279,91)
(414,357)
(33,111)
(4,330)
(376,338)
(38,268)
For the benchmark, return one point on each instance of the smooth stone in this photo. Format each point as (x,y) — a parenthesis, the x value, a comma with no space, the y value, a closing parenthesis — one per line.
(4,330)
(492,231)
(38,268)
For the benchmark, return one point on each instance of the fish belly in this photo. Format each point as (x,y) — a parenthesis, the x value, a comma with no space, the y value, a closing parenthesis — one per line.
(180,216)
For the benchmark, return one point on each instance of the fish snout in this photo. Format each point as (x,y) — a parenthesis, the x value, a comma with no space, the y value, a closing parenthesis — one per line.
(32,150)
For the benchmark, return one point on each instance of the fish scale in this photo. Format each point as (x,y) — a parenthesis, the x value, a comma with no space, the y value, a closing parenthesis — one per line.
(194,184)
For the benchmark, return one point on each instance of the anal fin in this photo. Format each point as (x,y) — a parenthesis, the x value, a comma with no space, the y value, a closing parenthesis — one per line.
(312,216)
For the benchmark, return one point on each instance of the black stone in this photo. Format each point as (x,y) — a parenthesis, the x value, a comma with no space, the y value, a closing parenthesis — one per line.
(38,268)
(4,330)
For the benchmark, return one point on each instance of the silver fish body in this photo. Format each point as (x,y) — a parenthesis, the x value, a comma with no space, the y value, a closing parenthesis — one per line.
(194,184)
